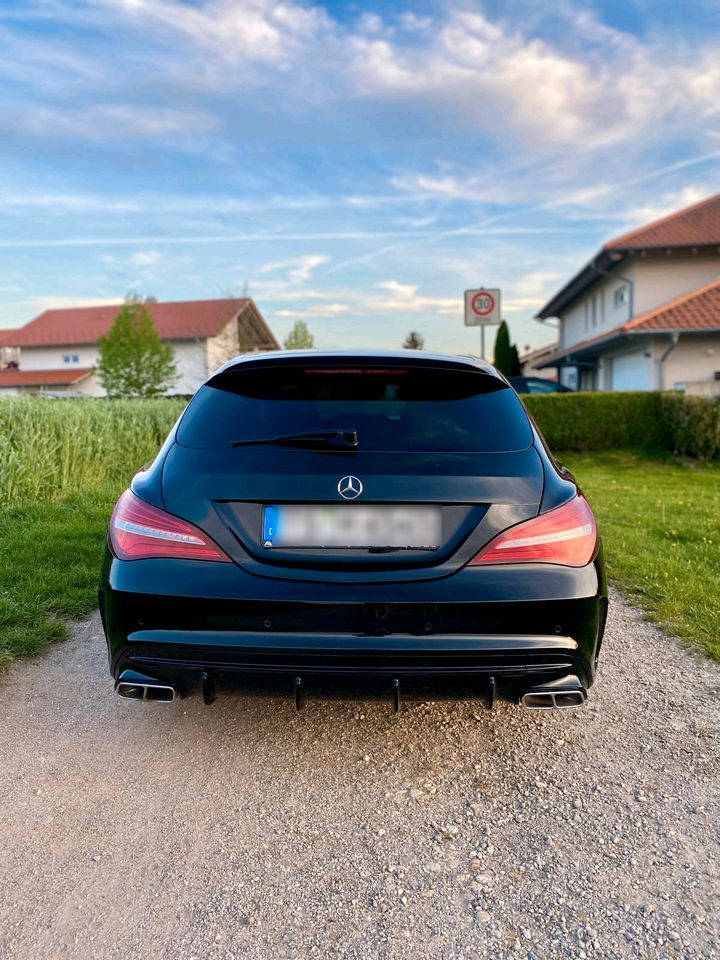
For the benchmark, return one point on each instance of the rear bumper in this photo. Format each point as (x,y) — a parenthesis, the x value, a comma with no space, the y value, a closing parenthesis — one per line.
(457,637)
(348,666)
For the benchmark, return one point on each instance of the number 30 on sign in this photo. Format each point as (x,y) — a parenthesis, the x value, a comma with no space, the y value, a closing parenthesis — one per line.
(482,307)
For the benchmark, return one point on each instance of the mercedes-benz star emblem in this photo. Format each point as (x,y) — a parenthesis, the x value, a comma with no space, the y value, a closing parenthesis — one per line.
(350,487)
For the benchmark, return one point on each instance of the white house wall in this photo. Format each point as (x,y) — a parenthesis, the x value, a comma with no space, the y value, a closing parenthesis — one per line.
(692,364)
(224,346)
(689,367)
(190,359)
(656,279)
(89,387)
(661,277)
(596,311)
(51,358)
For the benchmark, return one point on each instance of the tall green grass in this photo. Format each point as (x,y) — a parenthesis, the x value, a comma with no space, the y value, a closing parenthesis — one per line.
(52,449)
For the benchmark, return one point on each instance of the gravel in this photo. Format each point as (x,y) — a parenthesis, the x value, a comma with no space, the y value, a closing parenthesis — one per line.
(245,830)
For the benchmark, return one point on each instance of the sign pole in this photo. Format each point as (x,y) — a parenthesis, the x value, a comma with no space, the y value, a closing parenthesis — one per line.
(482,335)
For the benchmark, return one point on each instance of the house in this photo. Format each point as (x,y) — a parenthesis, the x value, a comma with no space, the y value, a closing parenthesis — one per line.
(531,359)
(9,356)
(58,352)
(644,313)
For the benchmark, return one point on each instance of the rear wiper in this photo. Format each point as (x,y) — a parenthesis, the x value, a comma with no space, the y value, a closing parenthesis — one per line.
(350,438)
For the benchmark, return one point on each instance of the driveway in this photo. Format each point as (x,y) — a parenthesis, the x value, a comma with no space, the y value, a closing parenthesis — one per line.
(245,830)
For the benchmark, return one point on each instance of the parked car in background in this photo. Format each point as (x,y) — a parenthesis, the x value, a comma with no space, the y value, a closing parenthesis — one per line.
(388,521)
(537,385)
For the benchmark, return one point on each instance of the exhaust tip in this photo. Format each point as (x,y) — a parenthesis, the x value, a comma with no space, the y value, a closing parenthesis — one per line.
(154,692)
(565,694)
(559,700)
(537,701)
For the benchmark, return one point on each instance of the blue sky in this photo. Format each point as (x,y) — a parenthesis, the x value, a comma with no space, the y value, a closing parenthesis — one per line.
(355,165)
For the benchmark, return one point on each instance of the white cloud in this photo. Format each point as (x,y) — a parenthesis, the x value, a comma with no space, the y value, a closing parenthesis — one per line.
(141,262)
(68,202)
(145,258)
(521,304)
(255,30)
(281,293)
(535,284)
(319,310)
(300,269)
(666,203)
(588,86)
(404,297)
(51,302)
(499,79)
(108,122)
(448,187)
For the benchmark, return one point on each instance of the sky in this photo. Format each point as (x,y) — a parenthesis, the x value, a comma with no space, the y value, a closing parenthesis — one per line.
(353,165)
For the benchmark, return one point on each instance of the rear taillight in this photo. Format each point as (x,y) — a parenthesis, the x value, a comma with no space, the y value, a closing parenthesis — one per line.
(139,531)
(566,535)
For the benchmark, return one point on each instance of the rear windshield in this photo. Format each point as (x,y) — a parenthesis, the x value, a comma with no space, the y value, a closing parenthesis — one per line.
(431,410)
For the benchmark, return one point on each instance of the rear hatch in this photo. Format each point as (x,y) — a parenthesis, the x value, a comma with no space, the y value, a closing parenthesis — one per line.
(353,469)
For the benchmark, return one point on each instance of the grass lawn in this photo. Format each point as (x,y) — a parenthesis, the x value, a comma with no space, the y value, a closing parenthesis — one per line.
(49,567)
(660,522)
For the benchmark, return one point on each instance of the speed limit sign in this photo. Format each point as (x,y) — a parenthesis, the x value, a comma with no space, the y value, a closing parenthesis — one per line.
(482,307)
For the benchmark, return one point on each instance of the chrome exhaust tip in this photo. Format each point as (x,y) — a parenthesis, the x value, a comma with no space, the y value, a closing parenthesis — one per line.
(562,700)
(565,694)
(135,686)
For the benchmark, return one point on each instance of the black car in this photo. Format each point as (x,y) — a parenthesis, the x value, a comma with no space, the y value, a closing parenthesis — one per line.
(537,385)
(360,524)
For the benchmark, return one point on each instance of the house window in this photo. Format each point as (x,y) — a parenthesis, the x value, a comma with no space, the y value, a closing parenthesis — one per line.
(621,296)
(71,358)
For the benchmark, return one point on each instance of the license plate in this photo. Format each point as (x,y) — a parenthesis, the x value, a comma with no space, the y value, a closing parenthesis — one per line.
(343,525)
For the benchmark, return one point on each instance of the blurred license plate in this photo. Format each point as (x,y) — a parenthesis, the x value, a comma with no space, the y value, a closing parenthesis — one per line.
(405,527)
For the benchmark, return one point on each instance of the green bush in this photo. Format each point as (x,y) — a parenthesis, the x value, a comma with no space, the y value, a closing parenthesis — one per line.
(627,420)
(51,449)
(693,424)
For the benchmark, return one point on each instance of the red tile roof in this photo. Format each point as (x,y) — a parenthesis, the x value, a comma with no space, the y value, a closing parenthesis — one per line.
(174,321)
(695,226)
(6,337)
(43,378)
(697,310)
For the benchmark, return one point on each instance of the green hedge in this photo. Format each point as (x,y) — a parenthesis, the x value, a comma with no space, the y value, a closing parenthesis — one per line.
(640,421)
(50,449)
(693,424)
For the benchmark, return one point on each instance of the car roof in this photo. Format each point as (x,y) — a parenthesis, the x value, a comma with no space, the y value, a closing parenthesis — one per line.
(407,357)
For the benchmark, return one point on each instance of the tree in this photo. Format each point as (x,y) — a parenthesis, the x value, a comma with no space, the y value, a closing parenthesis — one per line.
(503,352)
(299,337)
(506,355)
(414,341)
(134,361)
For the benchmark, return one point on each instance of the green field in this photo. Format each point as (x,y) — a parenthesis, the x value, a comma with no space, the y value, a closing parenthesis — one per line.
(62,465)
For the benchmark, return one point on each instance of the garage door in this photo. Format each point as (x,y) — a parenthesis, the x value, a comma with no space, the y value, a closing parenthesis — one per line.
(631,371)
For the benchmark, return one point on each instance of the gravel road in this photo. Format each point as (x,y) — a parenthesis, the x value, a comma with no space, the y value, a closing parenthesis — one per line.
(245,830)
